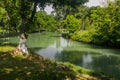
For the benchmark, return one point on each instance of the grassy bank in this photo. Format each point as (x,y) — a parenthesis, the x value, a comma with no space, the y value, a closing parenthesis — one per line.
(34,67)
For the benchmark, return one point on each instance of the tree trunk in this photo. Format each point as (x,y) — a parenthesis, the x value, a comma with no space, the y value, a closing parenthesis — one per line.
(23,38)
(22,43)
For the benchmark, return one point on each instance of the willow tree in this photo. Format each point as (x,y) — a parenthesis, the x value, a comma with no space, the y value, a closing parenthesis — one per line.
(23,11)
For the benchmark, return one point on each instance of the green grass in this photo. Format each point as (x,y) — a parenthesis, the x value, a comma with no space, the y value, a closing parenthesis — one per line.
(34,67)
(6,48)
(77,68)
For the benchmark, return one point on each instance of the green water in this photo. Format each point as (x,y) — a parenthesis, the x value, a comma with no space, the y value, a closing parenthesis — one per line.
(53,46)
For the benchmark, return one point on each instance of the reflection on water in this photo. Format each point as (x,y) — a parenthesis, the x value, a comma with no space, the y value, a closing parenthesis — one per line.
(87,60)
(89,56)
(52,50)
(64,42)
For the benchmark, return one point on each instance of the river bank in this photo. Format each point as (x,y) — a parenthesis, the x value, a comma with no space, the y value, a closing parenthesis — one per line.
(92,38)
(34,67)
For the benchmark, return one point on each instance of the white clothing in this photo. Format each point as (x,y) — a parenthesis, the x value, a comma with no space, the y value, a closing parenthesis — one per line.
(22,46)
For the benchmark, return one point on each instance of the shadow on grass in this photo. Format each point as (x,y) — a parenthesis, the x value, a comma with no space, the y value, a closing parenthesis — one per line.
(33,67)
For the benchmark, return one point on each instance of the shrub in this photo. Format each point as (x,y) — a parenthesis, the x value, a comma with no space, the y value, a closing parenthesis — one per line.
(84,36)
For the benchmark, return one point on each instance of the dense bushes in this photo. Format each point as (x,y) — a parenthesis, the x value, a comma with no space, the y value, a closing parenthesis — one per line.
(84,36)
(71,23)
(101,26)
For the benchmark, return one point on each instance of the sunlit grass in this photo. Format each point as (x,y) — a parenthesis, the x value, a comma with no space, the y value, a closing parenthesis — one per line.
(6,48)
(77,68)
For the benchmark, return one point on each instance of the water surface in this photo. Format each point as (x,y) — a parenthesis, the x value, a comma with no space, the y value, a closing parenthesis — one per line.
(53,46)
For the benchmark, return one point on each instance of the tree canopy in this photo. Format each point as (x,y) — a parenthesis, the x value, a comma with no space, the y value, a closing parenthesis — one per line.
(101,25)
(22,12)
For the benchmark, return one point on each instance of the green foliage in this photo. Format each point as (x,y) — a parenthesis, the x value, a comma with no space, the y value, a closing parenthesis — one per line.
(84,36)
(2,12)
(1,30)
(106,24)
(15,10)
(103,23)
(3,18)
(81,12)
(66,7)
(87,24)
(20,13)
(45,22)
(71,23)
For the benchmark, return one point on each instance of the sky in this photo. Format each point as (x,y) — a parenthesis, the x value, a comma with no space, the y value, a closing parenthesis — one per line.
(96,3)
(49,9)
(101,3)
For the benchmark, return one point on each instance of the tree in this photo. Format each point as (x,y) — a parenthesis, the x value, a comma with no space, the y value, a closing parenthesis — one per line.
(72,24)
(23,11)
(18,12)
(66,7)
(106,24)
(44,22)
